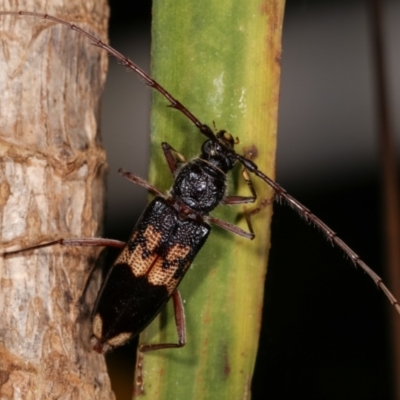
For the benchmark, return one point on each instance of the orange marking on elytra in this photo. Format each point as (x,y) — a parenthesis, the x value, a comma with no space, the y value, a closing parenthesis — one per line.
(165,276)
(152,237)
(134,257)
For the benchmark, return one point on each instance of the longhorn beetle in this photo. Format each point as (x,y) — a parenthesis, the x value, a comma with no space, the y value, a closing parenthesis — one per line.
(173,228)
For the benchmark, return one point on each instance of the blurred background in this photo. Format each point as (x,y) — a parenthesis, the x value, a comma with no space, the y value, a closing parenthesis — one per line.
(326,330)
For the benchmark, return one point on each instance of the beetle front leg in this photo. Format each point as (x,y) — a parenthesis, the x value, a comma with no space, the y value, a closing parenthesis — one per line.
(173,157)
(248,214)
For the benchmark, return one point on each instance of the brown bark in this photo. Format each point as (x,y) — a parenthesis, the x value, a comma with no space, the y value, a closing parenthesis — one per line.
(51,185)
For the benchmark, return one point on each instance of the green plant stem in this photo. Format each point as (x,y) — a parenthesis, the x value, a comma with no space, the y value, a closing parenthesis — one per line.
(221,59)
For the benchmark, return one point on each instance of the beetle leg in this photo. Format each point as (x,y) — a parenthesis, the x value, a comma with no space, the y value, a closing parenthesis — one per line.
(70,242)
(181,330)
(141,182)
(173,157)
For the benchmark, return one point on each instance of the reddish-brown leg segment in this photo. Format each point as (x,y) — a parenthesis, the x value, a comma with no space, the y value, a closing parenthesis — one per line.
(141,182)
(231,228)
(173,157)
(181,330)
(70,242)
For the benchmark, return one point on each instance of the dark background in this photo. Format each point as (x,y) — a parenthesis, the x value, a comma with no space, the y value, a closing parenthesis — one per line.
(325,331)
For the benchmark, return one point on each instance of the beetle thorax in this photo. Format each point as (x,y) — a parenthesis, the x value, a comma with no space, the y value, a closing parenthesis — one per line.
(200,186)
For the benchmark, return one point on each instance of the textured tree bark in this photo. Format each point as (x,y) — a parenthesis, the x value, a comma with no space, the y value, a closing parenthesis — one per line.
(51,186)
